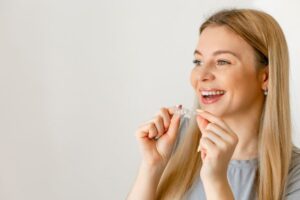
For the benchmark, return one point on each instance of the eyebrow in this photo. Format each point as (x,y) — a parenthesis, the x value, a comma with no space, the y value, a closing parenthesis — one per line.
(219,52)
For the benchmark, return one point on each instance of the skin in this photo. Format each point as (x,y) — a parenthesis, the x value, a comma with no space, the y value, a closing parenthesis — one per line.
(229,127)
(155,153)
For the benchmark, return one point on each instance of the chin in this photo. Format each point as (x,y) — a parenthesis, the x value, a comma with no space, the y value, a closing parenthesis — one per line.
(218,111)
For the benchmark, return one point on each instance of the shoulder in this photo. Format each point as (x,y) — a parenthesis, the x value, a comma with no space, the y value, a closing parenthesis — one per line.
(295,161)
(293,183)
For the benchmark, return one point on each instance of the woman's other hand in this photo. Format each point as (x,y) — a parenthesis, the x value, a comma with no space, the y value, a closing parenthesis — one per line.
(157,137)
(217,145)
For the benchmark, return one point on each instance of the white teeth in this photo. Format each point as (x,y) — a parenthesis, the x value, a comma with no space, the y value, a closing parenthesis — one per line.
(210,93)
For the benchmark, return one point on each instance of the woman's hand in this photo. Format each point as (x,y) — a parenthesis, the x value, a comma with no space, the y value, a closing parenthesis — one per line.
(217,145)
(157,137)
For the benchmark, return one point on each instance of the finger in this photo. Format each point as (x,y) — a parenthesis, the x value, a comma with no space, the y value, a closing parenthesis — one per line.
(147,129)
(199,144)
(203,150)
(216,139)
(164,113)
(219,131)
(207,144)
(158,121)
(202,122)
(213,119)
(173,129)
(172,110)
(200,147)
(167,114)
(152,131)
(144,131)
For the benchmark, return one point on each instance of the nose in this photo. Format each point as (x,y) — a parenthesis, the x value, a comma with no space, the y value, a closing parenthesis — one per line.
(205,75)
(201,75)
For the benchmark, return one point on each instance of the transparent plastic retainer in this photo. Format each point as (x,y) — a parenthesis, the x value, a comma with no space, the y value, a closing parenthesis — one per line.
(186,112)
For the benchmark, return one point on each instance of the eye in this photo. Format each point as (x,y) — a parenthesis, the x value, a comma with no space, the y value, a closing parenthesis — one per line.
(223,62)
(197,62)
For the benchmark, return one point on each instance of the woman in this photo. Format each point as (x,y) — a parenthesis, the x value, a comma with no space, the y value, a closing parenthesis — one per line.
(243,129)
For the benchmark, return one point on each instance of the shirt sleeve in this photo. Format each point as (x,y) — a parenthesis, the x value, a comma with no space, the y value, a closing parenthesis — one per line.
(293,184)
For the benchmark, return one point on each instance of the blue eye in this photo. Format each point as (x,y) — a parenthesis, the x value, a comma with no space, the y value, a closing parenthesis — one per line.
(197,62)
(223,62)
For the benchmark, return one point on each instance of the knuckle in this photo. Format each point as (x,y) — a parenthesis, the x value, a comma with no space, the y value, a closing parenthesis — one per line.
(210,126)
(164,113)
(157,119)
(157,112)
(163,110)
(224,147)
(151,126)
(204,133)
(138,132)
(203,140)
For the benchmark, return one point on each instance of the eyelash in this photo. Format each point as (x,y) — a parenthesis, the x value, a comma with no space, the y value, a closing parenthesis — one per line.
(197,62)
(224,62)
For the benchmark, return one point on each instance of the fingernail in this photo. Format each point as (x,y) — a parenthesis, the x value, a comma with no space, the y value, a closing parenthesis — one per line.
(199,110)
(179,106)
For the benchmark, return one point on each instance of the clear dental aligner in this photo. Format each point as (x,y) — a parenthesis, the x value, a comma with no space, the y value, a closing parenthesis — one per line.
(185,112)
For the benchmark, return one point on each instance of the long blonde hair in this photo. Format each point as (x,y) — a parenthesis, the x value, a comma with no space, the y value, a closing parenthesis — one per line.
(262,32)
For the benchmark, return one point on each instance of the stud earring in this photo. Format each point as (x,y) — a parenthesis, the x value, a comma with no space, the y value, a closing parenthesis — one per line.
(266,92)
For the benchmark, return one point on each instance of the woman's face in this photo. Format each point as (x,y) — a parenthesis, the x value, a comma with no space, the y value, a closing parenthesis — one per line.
(225,77)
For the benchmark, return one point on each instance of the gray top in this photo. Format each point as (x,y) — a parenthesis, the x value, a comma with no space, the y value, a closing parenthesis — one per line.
(241,176)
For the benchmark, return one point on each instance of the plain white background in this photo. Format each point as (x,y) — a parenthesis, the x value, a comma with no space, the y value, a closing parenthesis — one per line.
(78,77)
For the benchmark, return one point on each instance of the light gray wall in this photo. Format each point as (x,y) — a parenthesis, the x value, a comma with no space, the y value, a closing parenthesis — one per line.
(78,77)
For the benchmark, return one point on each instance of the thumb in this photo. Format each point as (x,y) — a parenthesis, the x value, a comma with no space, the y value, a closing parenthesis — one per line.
(202,123)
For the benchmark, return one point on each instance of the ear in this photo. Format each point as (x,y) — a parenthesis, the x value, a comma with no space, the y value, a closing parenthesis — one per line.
(265,78)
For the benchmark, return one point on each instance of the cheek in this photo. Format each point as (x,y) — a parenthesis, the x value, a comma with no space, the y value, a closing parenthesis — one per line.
(245,85)
(193,79)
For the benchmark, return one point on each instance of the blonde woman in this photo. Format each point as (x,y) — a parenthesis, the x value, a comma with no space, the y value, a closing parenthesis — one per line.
(239,145)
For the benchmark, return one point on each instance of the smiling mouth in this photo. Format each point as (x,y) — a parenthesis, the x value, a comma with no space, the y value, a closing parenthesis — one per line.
(211,96)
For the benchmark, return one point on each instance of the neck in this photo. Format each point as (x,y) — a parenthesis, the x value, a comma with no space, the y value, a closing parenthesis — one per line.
(246,128)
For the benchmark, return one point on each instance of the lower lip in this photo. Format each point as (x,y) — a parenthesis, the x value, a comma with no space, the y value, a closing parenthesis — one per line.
(211,100)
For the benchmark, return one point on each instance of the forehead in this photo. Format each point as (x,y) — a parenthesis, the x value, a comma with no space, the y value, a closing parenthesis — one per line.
(216,38)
